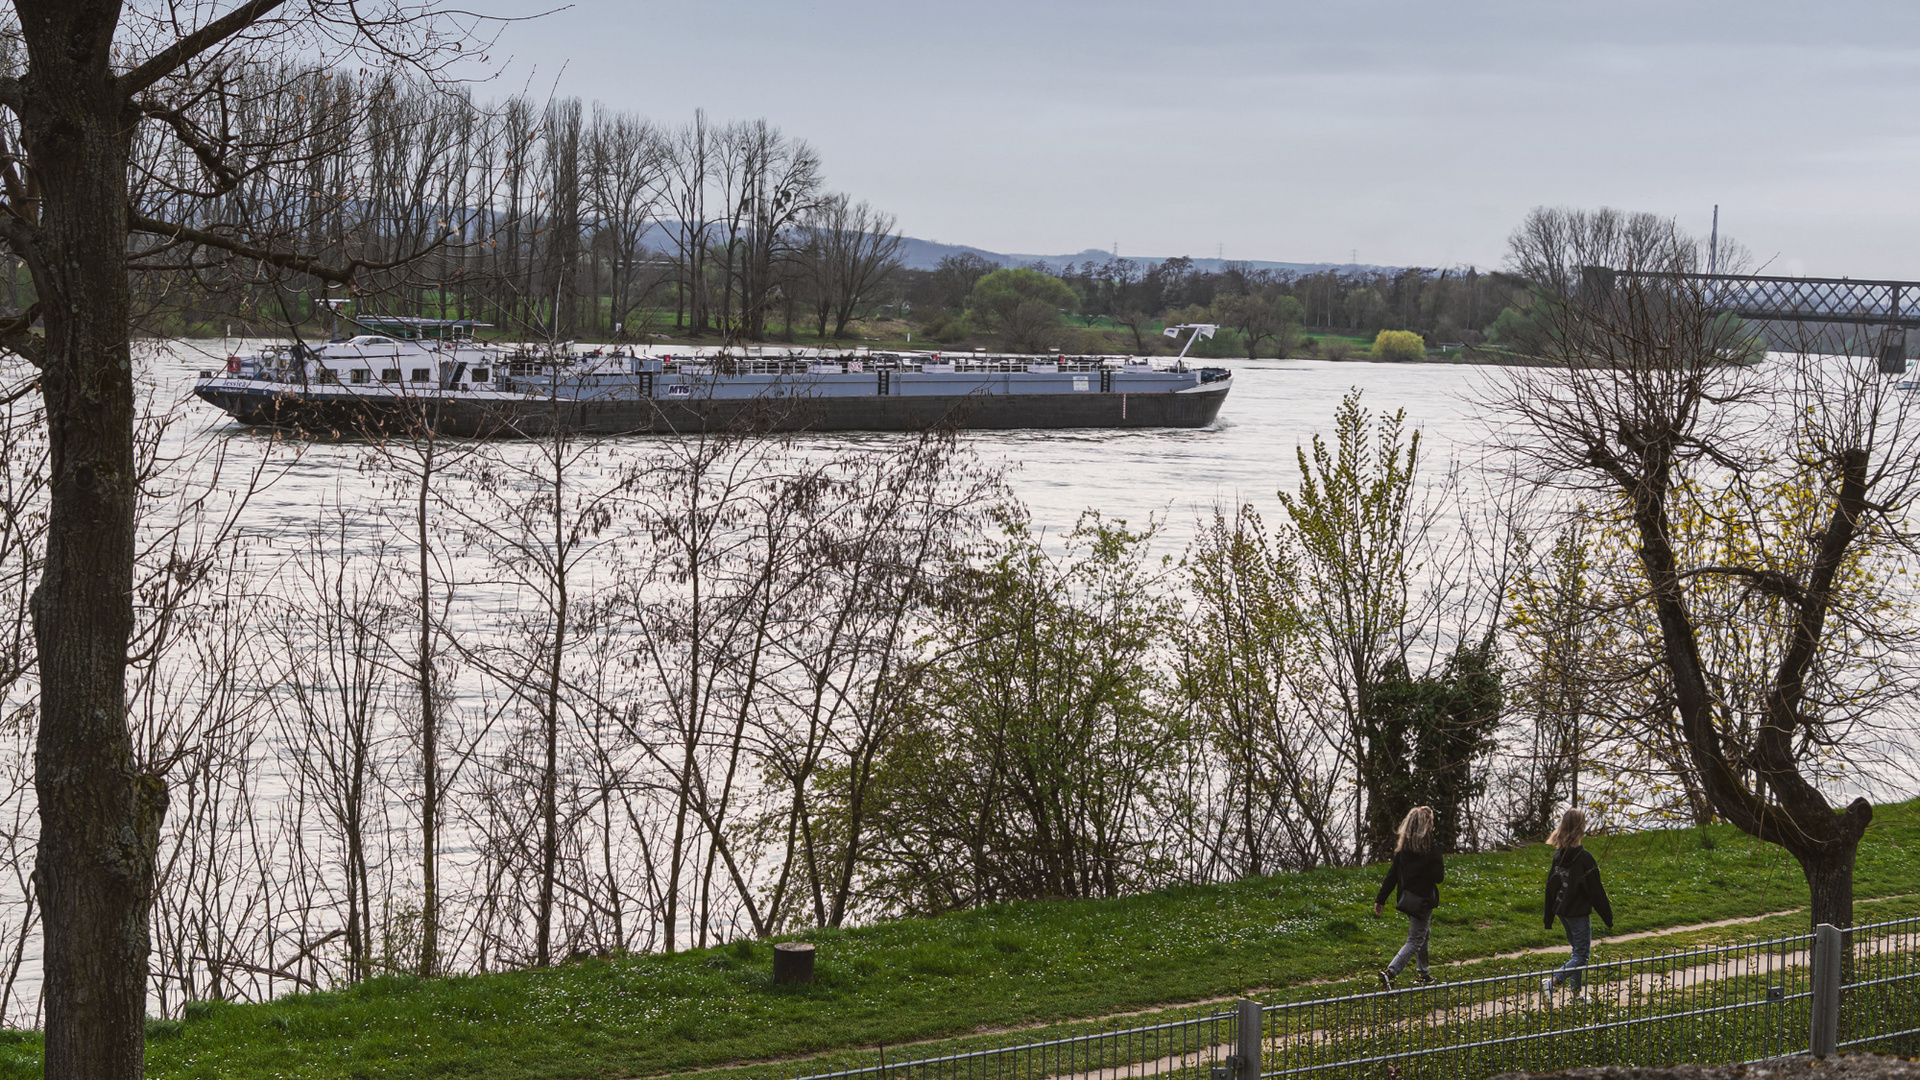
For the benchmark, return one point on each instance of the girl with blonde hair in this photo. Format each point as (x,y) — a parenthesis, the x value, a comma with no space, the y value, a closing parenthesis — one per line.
(1574,893)
(1417,871)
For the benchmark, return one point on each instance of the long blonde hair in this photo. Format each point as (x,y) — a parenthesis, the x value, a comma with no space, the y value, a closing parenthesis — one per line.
(1416,830)
(1573,826)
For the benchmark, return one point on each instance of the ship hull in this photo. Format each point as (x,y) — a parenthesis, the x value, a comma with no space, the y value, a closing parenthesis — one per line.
(338,413)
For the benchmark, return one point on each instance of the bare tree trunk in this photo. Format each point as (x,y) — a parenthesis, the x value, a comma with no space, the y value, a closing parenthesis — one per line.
(550,718)
(99,813)
(429,726)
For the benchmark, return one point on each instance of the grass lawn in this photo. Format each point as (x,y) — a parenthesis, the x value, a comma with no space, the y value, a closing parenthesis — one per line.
(969,976)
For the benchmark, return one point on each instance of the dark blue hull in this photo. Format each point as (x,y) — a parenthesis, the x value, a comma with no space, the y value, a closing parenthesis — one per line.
(343,412)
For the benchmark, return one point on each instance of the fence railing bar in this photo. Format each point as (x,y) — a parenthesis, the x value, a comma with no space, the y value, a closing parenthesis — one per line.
(1683,962)
(1772,1057)
(1882,1037)
(1865,983)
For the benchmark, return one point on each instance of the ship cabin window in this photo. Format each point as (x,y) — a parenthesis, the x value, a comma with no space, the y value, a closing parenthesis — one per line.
(480,374)
(421,374)
(360,374)
(325,375)
(390,374)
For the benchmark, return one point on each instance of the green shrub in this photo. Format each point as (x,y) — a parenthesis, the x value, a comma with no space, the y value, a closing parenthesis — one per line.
(1022,306)
(1399,345)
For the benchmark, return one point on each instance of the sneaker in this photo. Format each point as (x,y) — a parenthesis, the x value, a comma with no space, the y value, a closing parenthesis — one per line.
(1580,996)
(1424,980)
(1386,979)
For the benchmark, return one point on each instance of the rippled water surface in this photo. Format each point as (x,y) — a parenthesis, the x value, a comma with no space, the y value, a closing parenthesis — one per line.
(1248,454)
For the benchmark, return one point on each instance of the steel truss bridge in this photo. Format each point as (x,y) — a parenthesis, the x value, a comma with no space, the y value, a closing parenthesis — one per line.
(1893,306)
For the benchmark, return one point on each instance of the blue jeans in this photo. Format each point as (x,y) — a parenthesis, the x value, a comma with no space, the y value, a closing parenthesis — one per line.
(1416,946)
(1580,936)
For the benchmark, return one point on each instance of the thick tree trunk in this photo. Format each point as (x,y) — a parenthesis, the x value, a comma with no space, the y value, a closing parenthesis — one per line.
(1830,879)
(99,816)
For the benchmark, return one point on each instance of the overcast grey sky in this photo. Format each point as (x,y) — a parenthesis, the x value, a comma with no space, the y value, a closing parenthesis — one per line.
(1416,133)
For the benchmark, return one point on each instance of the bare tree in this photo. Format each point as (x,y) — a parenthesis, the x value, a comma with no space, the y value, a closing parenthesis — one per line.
(545,513)
(768,183)
(851,251)
(1260,317)
(338,694)
(413,461)
(23,525)
(1650,402)
(691,151)
(703,602)
(626,161)
(561,178)
(98,75)
(878,540)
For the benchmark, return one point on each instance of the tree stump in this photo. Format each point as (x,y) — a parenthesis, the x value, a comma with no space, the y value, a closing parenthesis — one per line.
(792,963)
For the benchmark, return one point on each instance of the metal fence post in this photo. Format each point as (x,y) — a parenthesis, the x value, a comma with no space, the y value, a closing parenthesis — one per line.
(1823,1022)
(1247,1038)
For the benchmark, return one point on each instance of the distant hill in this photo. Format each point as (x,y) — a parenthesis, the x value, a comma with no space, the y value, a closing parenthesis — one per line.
(918,254)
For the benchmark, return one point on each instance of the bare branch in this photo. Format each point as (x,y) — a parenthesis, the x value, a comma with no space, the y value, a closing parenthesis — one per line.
(286,260)
(168,60)
(1770,582)
(16,338)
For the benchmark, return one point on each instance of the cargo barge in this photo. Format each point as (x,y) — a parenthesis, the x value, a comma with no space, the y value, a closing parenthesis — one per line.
(433,373)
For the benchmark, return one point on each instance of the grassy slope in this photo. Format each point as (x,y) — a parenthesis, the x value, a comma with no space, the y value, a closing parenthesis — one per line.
(1024,964)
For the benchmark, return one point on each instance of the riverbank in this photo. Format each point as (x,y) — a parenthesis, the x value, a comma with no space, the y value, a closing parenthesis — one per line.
(1037,968)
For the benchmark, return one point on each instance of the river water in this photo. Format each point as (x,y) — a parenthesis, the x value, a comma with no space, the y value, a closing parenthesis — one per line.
(1247,455)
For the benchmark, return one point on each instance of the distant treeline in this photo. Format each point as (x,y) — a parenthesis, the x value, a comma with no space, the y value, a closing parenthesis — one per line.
(558,220)
(544,219)
(1260,312)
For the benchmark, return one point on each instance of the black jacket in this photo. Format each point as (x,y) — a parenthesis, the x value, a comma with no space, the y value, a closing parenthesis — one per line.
(1416,872)
(1585,896)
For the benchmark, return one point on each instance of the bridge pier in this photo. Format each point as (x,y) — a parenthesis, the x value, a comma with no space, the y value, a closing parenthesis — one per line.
(1893,351)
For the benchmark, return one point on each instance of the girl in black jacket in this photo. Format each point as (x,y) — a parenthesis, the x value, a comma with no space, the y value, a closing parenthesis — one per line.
(1418,871)
(1574,893)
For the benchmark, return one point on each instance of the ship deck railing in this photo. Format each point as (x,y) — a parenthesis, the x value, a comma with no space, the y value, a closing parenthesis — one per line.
(713,365)
(961,363)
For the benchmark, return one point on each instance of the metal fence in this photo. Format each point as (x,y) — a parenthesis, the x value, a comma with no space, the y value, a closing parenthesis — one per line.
(1718,1004)
(1856,990)
(1879,1006)
(1190,1047)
